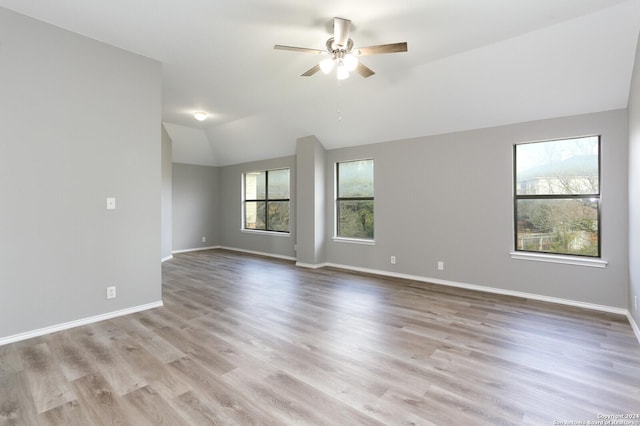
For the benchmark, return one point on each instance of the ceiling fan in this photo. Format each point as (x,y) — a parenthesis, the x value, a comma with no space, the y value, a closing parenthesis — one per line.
(340,53)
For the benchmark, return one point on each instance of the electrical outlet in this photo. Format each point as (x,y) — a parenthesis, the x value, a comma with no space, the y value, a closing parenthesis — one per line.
(204,239)
(440,265)
(393,260)
(111,292)
(111,203)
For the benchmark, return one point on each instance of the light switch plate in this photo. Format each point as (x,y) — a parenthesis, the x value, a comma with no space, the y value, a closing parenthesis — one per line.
(111,203)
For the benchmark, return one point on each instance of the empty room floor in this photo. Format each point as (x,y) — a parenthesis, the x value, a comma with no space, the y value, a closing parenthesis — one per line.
(247,340)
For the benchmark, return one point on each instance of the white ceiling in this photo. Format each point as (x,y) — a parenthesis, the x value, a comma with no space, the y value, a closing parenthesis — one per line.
(470,64)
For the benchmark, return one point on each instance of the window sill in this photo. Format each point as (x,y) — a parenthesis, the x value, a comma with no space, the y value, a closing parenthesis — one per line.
(272,233)
(556,258)
(354,241)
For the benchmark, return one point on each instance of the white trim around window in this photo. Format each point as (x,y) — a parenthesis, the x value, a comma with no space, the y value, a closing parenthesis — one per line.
(354,241)
(554,258)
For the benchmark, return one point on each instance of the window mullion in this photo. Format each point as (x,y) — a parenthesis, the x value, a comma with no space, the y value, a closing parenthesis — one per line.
(556,196)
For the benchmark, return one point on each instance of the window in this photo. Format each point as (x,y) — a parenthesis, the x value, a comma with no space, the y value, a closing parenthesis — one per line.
(266,200)
(354,199)
(557,196)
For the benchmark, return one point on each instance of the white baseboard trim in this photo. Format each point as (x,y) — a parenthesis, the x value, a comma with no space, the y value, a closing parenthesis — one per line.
(77,323)
(164,259)
(195,249)
(259,253)
(311,265)
(634,325)
(494,290)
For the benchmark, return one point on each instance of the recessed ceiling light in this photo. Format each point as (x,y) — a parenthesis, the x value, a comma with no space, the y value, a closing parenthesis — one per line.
(200,115)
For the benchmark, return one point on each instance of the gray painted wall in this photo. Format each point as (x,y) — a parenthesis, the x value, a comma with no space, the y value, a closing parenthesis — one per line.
(231,234)
(166,236)
(449,198)
(196,205)
(310,201)
(634,188)
(78,123)
(321,225)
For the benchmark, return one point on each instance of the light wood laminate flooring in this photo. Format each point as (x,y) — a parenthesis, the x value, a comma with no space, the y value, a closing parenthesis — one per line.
(246,340)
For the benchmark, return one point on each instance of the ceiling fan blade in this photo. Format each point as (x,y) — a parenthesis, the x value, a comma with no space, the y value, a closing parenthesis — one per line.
(364,70)
(311,71)
(298,49)
(341,29)
(382,48)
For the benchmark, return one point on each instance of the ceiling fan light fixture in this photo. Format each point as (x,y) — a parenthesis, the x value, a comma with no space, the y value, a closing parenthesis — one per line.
(342,73)
(350,62)
(200,115)
(326,65)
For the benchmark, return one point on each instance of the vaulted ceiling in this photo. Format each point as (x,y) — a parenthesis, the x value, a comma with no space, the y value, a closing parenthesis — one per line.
(470,64)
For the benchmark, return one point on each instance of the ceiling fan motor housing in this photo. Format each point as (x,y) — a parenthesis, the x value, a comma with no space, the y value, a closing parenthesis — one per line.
(333,46)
